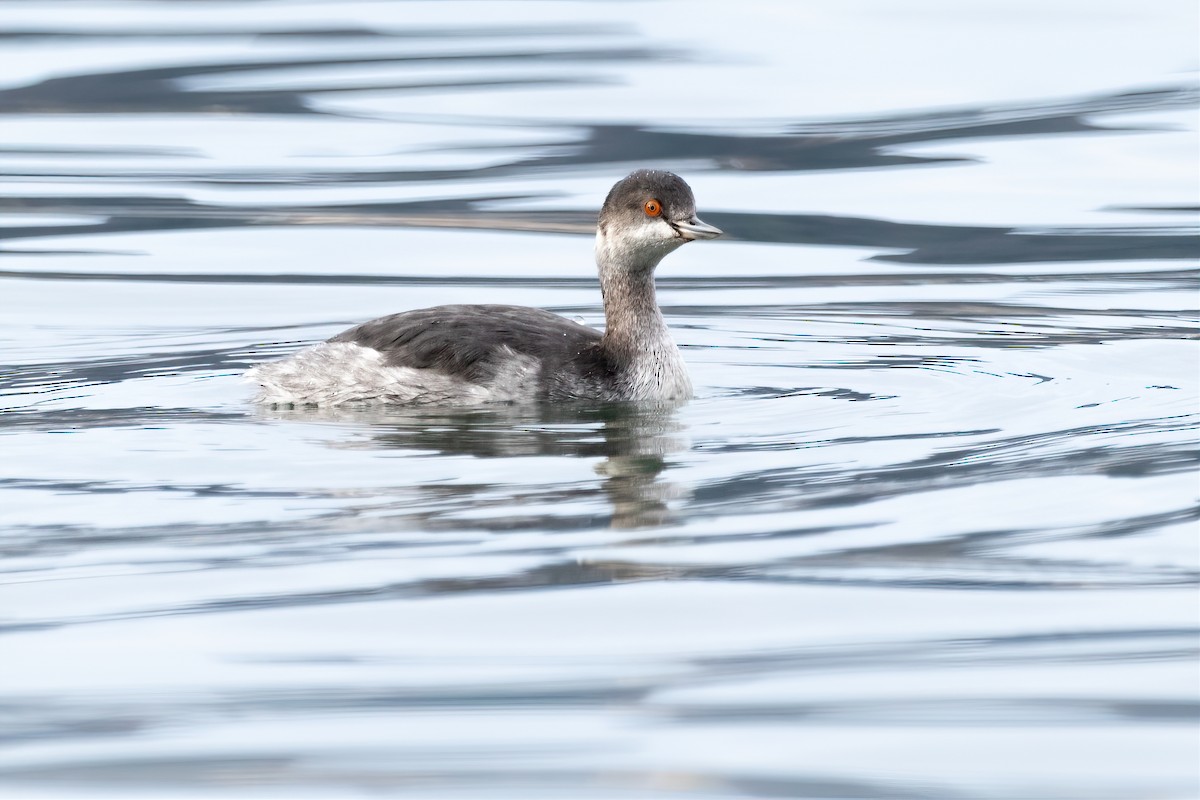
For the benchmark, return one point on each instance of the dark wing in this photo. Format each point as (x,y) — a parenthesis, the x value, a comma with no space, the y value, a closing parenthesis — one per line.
(466,341)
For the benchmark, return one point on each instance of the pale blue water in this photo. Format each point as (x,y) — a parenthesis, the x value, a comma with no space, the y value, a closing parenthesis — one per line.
(929,528)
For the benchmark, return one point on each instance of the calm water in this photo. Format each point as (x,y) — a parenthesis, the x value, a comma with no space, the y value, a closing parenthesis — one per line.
(929,529)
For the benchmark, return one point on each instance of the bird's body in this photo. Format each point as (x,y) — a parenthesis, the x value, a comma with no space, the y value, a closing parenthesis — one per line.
(473,354)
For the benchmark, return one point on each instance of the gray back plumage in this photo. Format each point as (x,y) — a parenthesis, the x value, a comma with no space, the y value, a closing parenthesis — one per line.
(471,341)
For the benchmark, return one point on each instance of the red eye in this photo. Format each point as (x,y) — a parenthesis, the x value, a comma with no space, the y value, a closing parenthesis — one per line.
(653,208)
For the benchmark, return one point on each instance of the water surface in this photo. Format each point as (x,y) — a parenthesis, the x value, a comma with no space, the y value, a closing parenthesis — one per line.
(929,528)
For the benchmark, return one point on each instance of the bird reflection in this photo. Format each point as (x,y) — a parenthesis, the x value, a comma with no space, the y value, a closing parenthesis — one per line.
(633,441)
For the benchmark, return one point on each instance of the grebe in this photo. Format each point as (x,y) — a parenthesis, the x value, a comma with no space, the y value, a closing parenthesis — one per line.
(472,354)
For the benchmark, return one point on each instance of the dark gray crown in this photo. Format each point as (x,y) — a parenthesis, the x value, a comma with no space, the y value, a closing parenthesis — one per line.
(631,192)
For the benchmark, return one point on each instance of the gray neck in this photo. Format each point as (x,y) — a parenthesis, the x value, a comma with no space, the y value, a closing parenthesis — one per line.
(635,334)
(633,323)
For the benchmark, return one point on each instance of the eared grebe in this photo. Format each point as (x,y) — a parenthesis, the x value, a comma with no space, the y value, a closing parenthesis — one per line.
(470,354)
